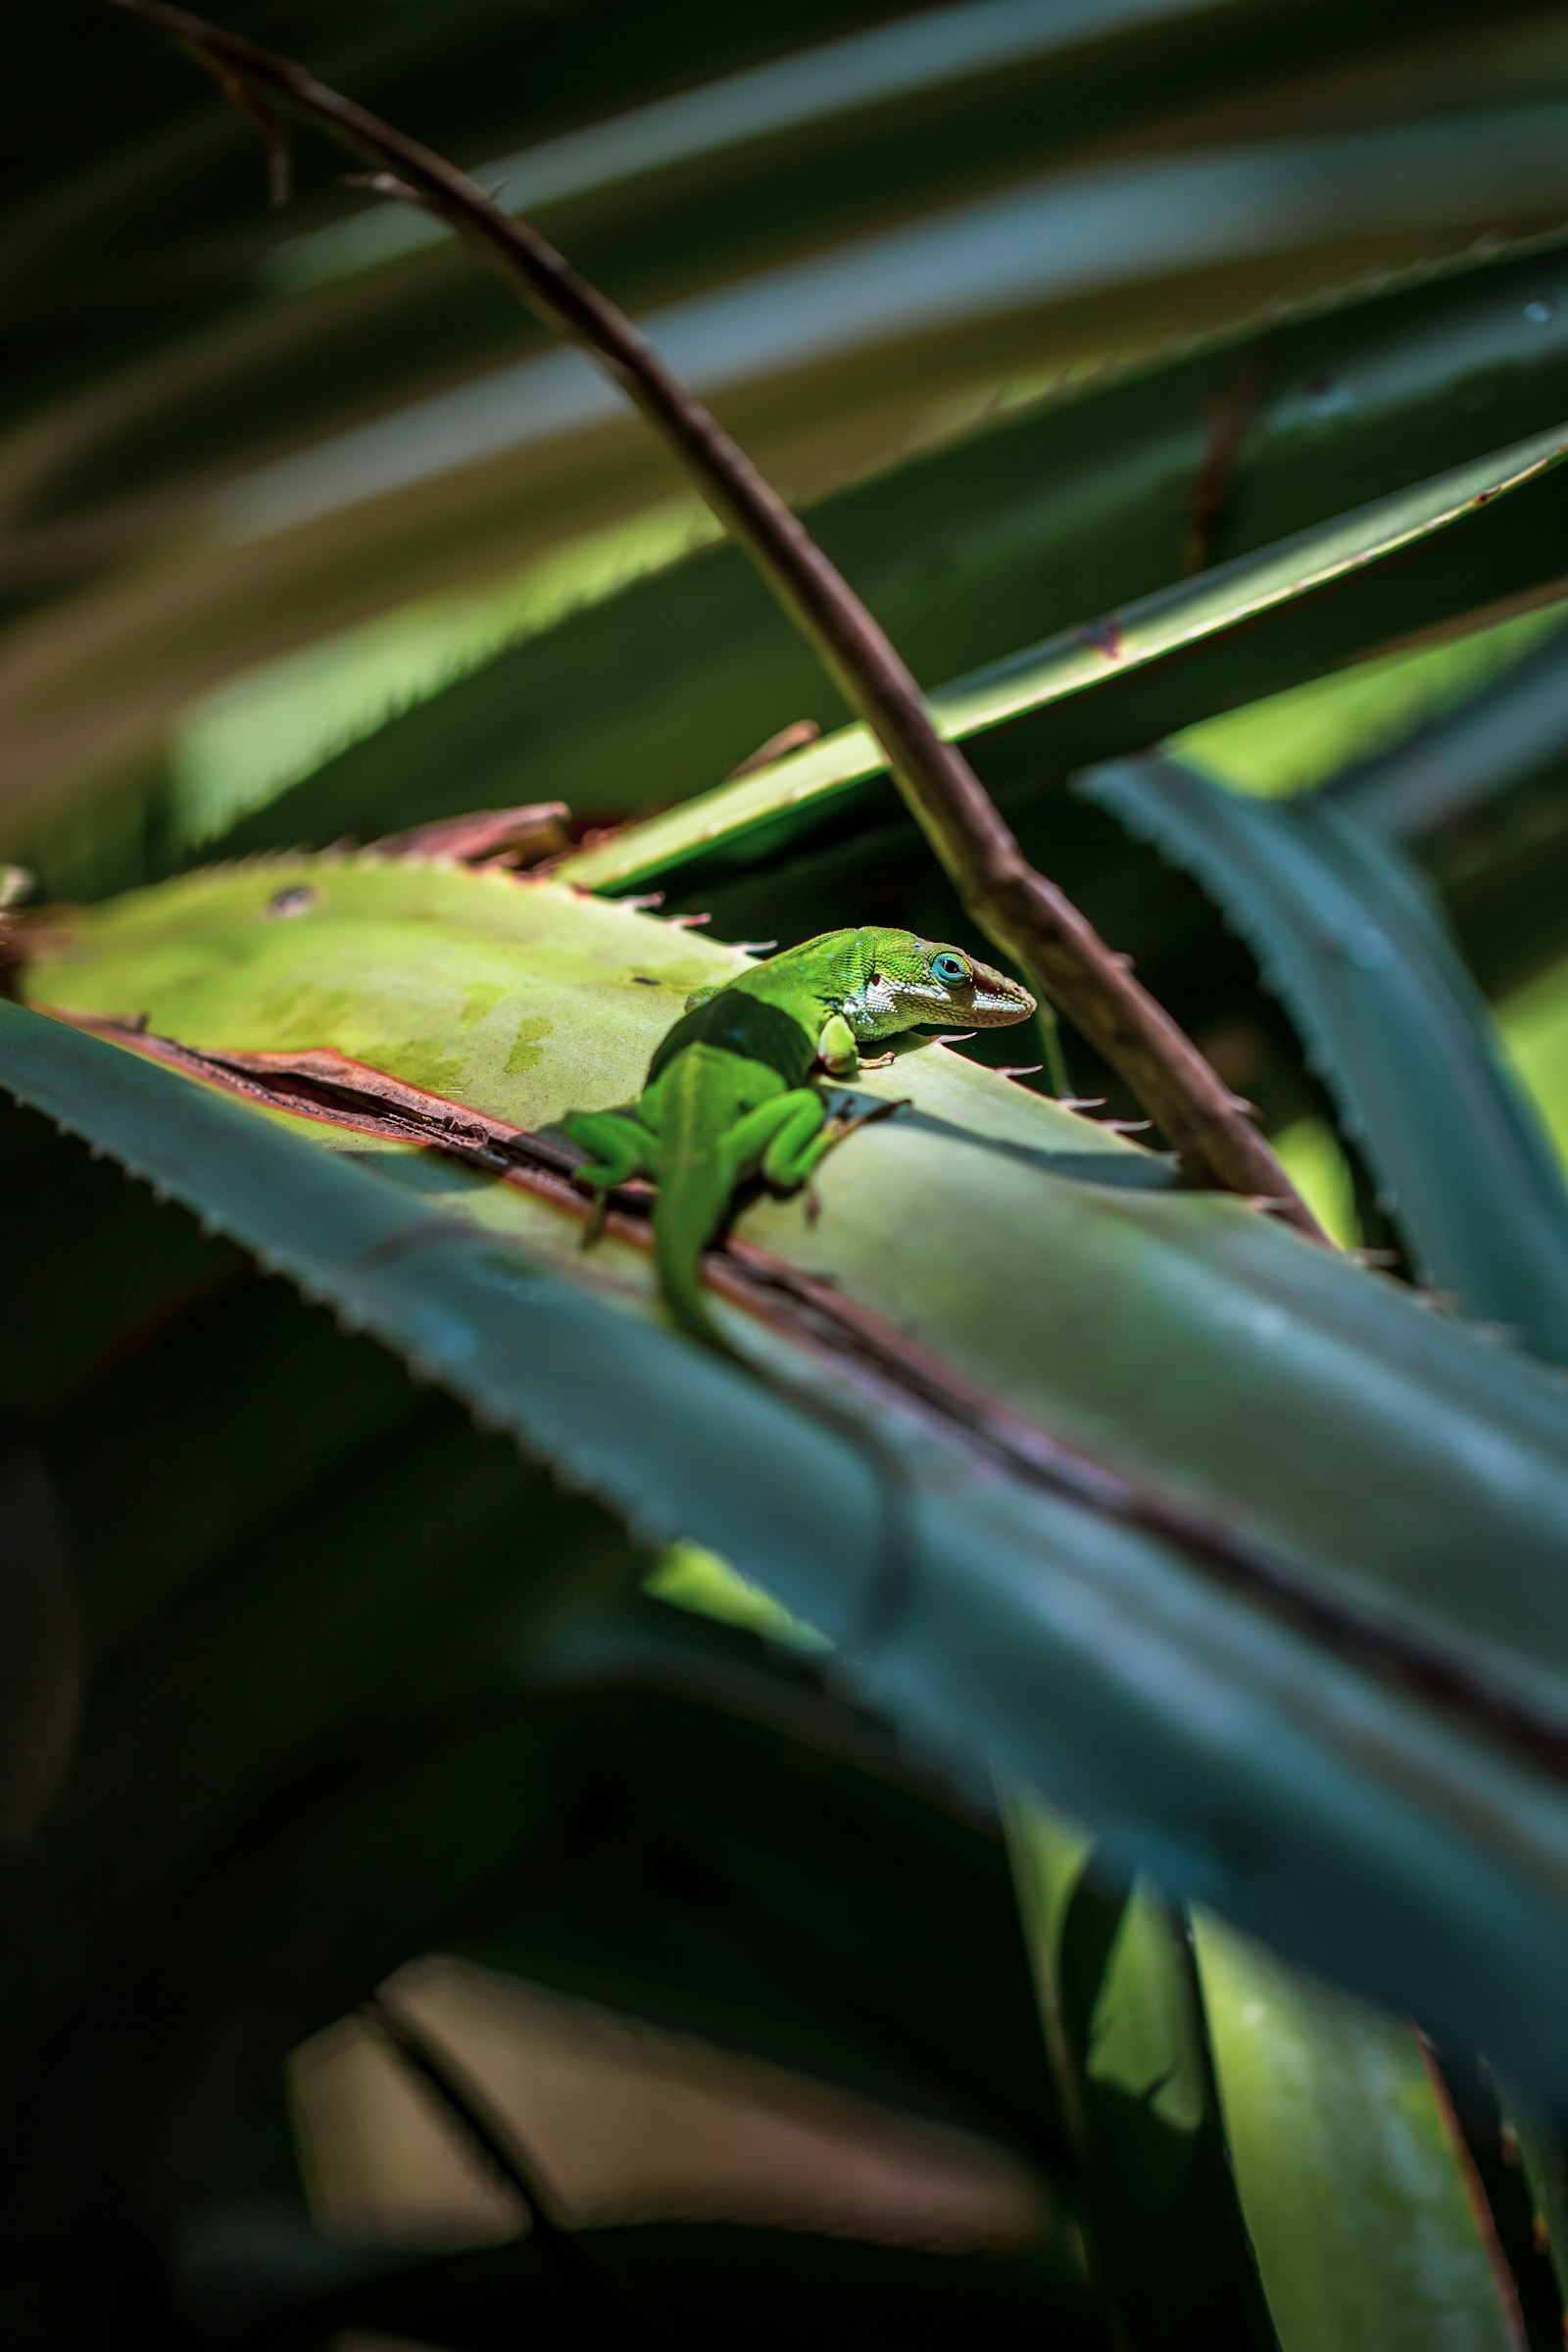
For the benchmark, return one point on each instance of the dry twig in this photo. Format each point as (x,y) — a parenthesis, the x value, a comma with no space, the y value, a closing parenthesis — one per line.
(1027,916)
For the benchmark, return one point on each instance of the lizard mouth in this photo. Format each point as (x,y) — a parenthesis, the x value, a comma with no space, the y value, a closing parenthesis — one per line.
(993,1002)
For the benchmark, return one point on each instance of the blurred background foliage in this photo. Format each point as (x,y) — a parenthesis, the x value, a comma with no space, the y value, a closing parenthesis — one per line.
(1183,373)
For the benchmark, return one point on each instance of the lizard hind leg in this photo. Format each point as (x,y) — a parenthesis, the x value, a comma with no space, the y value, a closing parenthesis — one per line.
(798,1152)
(778,1138)
(836,1131)
(621,1147)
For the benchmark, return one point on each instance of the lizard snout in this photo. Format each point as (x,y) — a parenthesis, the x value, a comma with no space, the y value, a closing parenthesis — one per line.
(993,999)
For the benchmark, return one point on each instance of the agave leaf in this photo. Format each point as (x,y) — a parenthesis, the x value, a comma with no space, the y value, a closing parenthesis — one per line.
(673,2277)
(519,1000)
(1540,2151)
(1492,2131)
(396,1842)
(705,1923)
(213,594)
(1513,733)
(134,1264)
(1365,1828)
(211,1696)
(1075,508)
(107,126)
(1234,632)
(1345,936)
(404,1584)
(1073,72)
(161,1352)
(745,1788)
(1352,2185)
(1125,2032)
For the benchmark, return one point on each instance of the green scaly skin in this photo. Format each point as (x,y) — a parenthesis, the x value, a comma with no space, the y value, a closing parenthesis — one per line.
(731,1092)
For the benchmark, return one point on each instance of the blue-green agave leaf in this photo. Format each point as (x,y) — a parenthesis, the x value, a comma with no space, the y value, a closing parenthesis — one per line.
(1076,507)
(1242,629)
(1346,936)
(1513,731)
(1222,1733)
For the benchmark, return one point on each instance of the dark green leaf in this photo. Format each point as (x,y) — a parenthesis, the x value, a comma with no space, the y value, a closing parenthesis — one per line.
(1418,559)
(1345,936)
(1513,733)
(1354,2190)
(1073,509)
(672,2280)
(1126,2035)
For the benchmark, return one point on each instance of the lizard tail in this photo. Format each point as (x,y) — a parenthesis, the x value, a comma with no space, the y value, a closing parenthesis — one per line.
(688,1209)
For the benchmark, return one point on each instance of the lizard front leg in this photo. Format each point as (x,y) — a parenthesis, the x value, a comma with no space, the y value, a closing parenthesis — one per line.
(836,1048)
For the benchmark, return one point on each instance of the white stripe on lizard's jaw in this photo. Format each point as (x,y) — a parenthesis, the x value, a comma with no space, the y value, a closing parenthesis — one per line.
(989,1002)
(874,1009)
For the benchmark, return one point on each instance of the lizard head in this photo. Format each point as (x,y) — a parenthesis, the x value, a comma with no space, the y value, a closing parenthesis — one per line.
(919,983)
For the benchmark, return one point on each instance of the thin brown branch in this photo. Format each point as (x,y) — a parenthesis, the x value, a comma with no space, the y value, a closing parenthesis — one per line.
(1027,916)
(273,138)
(516,837)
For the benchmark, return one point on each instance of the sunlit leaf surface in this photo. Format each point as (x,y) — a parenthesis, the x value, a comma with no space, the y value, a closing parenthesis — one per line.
(1188,1319)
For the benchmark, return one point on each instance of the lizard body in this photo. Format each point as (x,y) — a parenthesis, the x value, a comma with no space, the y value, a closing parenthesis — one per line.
(732,1090)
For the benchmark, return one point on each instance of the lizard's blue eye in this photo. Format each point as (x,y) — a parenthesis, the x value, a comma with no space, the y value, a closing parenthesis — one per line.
(950,970)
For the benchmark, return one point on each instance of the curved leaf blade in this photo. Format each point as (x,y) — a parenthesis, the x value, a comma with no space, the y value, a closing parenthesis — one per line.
(1345,936)
(1348,2179)
(1118,2001)
(1356,1826)
(1514,732)
(1076,507)
(1157,664)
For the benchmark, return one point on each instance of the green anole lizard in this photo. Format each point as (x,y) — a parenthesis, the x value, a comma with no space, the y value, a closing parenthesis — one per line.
(730,1092)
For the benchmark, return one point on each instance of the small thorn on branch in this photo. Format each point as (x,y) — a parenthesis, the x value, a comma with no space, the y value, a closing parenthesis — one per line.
(512,837)
(793,738)
(274,138)
(386,183)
